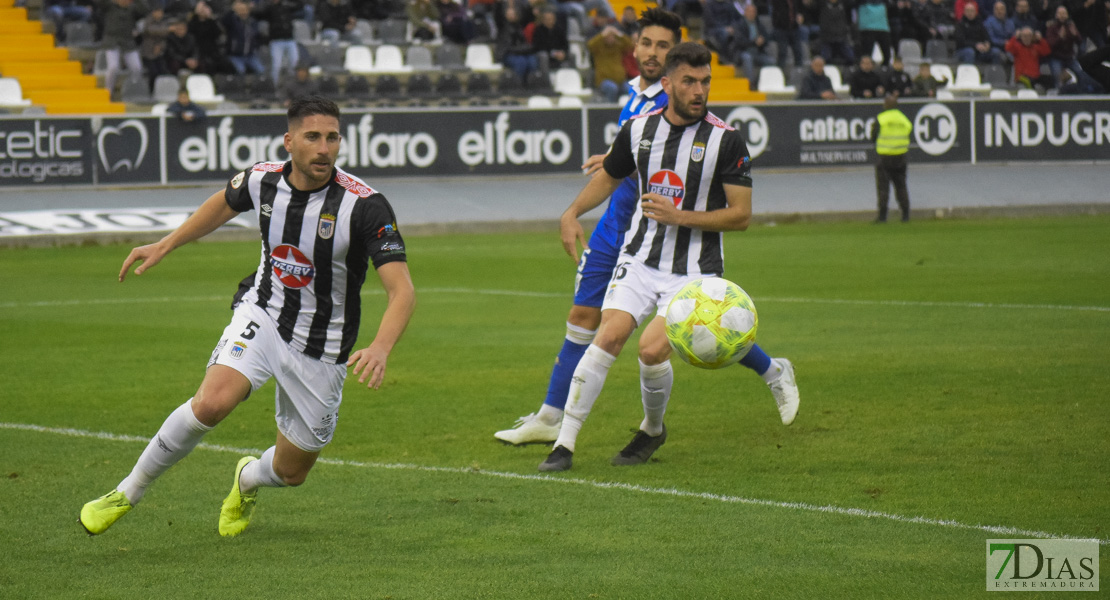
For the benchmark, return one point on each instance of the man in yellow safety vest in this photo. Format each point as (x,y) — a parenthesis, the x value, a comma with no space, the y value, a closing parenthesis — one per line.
(891,133)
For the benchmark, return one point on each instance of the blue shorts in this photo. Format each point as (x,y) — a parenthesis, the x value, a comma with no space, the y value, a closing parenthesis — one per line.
(595,269)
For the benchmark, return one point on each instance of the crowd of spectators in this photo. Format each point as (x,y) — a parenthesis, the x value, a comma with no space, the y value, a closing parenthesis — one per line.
(159,37)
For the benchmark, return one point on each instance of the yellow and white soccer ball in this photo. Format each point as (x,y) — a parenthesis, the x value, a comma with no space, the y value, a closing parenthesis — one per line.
(711,323)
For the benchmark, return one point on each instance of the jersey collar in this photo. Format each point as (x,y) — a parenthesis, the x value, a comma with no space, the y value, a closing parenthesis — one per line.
(652,91)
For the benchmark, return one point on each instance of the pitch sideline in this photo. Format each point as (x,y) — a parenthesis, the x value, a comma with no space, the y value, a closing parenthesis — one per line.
(1000,530)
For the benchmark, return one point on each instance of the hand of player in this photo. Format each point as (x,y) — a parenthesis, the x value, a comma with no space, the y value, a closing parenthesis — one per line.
(369,363)
(660,209)
(593,164)
(149,255)
(570,230)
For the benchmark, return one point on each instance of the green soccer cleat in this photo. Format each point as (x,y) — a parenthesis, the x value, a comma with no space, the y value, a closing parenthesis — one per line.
(235,514)
(97,516)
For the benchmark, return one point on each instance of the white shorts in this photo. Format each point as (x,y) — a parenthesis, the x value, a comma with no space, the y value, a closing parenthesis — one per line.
(309,391)
(640,290)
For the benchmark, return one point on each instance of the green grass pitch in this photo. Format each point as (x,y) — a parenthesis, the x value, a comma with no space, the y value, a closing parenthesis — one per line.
(955,371)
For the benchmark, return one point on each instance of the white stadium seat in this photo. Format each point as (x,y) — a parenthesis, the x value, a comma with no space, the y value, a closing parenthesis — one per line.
(568,82)
(540,102)
(837,82)
(1000,95)
(968,79)
(389,59)
(479,57)
(11,93)
(202,90)
(772,80)
(358,60)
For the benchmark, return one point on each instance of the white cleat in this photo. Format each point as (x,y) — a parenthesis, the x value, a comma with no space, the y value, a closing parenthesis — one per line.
(785,390)
(529,430)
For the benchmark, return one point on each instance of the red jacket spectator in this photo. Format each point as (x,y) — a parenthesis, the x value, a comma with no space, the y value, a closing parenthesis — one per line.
(1027,48)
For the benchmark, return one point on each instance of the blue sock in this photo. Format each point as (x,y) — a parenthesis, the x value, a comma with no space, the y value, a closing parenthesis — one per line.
(757,360)
(565,363)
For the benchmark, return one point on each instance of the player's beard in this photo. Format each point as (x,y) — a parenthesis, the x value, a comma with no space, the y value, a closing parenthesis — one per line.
(686,113)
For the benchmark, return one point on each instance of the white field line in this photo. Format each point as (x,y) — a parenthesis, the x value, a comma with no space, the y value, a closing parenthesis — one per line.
(1000,530)
(567,294)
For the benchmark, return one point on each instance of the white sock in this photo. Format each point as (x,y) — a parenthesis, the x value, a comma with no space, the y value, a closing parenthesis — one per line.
(260,473)
(774,371)
(655,390)
(580,335)
(180,433)
(549,415)
(586,386)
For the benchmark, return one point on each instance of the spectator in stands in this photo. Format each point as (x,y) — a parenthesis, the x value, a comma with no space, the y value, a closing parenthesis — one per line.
(181,54)
(1074,83)
(836,33)
(629,23)
(185,109)
(580,9)
(242,39)
(121,21)
(155,29)
(298,86)
(550,37)
(874,28)
(809,15)
(1023,17)
(608,49)
(454,22)
(423,15)
(925,85)
(785,31)
(750,46)
(373,10)
(816,85)
(210,54)
(337,22)
(973,43)
(280,14)
(864,81)
(903,23)
(513,49)
(935,18)
(1000,28)
(1062,36)
(1096,63)
(1092,19)
(61,12)
(898,83)
(722,21)
(1027,47)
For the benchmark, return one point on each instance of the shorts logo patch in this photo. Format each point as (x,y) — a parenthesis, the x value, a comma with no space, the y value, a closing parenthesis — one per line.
(327,226)
(237,350)
(237,181)
(668,184)
(291,266)
(698,152)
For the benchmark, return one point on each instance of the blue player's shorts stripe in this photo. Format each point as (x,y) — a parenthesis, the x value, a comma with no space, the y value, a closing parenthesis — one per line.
(595,269)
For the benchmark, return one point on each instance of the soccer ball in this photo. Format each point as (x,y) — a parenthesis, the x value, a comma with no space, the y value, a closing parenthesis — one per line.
(711,323)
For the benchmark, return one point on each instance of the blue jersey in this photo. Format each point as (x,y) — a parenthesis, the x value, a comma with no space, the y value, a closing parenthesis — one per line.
(610,229)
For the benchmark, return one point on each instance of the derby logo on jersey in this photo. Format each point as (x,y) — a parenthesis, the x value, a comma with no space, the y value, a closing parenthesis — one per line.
(697,153)
(668,184)
(326,228)
(237,181)
(291,266)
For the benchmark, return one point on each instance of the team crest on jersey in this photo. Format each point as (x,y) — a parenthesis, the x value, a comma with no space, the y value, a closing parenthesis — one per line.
(291,266)
(697,153)
(237,181)
(667,183)
(326,229)
(237,350)
(355,187)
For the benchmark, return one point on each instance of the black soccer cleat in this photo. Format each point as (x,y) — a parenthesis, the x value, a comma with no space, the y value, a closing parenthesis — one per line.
(558,460)
(640,449)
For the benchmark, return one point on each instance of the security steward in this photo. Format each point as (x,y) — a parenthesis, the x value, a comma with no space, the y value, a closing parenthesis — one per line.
(891,133)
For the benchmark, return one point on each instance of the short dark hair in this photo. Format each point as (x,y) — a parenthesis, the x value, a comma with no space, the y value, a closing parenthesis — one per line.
(306,106)
(693,54)
(657,17)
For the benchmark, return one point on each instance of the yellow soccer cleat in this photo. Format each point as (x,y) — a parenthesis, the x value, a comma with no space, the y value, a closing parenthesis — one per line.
(97,516)
(235,514)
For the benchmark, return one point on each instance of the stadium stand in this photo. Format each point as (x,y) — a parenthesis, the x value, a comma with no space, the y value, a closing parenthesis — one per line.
(936,51)
(419,58)
(135,89)
(1000,95)
(80,35)
(478,84)
(568,82)
(1025,93)
(11,95)
(358,87)
(569,102)
(202,90)
(449,56)
(540,102)
(945,95)
(479,57)
(833,72)
(772,82)
(165,88)
(968,79)
(328,86)
(358,59)
(393,31)
(330,58)
(388,59)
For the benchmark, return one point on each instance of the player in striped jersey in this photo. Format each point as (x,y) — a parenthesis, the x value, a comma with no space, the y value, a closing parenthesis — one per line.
(659,32)
(694,178)
(296,321)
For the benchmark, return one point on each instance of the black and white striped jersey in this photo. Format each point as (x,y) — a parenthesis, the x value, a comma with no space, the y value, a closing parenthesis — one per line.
(316,248)
(690,165)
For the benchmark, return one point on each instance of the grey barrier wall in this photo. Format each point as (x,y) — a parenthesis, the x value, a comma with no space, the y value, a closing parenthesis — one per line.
(160,150)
